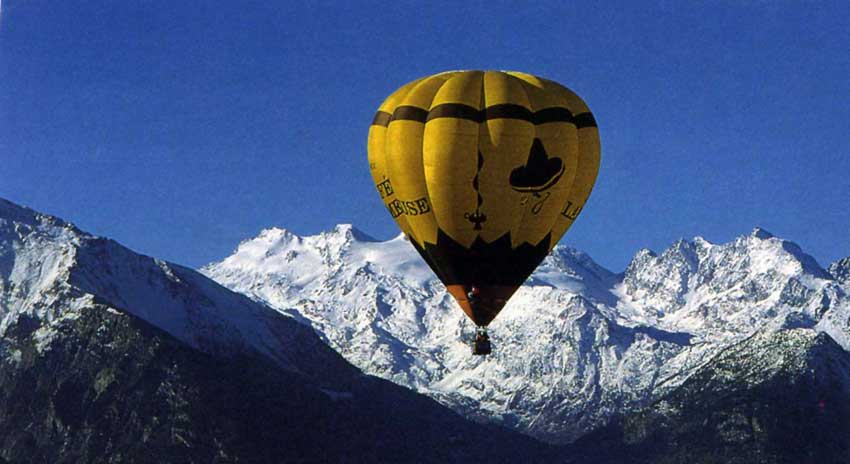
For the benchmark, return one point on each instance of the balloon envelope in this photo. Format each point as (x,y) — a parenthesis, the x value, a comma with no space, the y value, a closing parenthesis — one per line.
(484,171)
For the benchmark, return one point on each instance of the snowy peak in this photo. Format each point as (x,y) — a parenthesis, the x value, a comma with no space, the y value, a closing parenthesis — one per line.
(759,252)
(840,270)
(760,233)
(270,242)
(50,272)
(276,243)
(275,235)
(664,277)
(13,213)
(18,221)
(351,233)
(640,258)
(699,287)
(567,268)
(37,252)
(569,258)
(771,250)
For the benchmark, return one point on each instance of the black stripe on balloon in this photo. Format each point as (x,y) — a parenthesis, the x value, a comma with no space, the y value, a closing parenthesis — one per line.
(554,114)
(382,118)
(409,113)
(456,110)
(469,113)
(585,120)
(508,111)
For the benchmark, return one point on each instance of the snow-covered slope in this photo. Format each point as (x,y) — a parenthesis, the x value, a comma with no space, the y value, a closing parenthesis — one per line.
(50,270)
(575,345)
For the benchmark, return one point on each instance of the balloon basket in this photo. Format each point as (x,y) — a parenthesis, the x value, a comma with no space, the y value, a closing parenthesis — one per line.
(481,345)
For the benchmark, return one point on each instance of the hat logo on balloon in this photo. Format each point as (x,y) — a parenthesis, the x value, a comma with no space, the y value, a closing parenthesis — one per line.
(538,173)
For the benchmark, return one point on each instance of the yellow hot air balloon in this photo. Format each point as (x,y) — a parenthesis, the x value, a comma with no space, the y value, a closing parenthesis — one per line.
(484,171)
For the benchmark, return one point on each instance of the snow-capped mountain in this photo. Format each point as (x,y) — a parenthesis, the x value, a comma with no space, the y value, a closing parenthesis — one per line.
(718,291)
(99,346)
(576,344)
(111,356)
(50,270)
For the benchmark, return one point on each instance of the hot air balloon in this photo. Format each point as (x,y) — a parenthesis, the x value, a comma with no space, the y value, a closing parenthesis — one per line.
(483,171)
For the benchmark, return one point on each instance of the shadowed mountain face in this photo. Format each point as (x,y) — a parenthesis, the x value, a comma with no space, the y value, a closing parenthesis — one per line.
(110,356)
(780,397)
(109,387)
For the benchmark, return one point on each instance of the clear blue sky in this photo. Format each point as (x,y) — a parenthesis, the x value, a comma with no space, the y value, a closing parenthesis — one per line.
(181,128)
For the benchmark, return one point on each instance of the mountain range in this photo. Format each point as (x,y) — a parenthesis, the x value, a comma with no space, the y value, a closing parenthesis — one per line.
(575,346)
(341,348)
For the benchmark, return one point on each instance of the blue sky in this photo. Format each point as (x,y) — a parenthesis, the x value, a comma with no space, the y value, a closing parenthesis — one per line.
(181,129)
